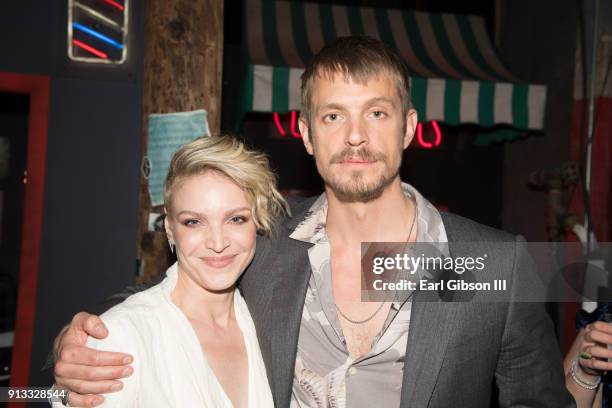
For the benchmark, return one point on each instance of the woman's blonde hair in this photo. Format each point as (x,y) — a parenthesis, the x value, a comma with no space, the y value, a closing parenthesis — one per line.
(249,169)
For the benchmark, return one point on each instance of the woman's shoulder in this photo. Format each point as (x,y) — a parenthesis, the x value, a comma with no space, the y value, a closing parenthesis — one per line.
(141,302)
(132,323)
(137,312)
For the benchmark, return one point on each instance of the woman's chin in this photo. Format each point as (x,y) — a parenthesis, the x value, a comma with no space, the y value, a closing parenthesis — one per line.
(220,286)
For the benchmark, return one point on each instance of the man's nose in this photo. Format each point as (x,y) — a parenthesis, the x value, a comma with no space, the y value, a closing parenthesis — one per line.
(357,134)
(217,240)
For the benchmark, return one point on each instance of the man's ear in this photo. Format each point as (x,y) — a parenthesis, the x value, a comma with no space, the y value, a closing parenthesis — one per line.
(412,120)
(305,132)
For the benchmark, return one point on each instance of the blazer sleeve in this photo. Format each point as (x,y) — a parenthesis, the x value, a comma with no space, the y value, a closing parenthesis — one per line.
(529,372)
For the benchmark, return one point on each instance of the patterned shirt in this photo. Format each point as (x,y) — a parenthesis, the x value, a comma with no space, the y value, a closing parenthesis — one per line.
(325,373)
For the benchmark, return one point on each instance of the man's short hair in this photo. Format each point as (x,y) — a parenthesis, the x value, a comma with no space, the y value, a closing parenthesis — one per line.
(358,58)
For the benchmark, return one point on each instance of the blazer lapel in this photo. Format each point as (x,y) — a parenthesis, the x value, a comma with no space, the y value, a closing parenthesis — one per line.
(291,282)
(432,323)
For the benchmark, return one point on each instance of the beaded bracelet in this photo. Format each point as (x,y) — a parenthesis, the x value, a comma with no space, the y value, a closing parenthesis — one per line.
(580,381)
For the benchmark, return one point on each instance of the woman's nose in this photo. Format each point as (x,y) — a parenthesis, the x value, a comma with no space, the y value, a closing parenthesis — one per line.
(217,240)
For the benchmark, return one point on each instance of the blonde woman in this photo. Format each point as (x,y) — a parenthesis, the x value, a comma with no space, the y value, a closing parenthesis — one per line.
(192,336)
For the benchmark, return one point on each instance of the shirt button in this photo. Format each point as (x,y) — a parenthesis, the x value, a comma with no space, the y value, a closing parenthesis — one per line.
(352,371)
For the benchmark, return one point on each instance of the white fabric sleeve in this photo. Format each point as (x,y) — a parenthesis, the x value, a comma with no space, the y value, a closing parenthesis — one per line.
(122,337)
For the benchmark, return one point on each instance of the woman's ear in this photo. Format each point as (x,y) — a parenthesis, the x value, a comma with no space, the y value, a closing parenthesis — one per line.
(168,226)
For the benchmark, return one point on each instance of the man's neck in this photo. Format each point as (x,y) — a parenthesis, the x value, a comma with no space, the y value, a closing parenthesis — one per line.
(383,219)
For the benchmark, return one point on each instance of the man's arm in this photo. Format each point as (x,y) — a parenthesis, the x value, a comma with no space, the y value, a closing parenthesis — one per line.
(122,335)
(529,371)
(86,372)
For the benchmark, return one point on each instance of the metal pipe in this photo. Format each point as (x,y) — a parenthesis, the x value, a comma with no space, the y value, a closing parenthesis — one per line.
(590,131)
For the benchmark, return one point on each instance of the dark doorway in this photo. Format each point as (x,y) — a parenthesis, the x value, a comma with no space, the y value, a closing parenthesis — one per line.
(14,110)
(26,107)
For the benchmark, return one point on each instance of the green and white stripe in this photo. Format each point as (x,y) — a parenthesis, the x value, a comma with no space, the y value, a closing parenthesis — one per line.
(458,77)
(277,89)
(289,33)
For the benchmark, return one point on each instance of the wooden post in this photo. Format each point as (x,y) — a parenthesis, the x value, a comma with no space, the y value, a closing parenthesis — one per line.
(182,72)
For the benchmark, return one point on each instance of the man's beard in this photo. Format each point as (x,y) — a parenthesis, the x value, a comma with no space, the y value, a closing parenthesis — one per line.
(356,189)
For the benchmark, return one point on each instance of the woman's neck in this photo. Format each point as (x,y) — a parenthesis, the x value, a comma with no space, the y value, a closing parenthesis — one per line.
(215,309)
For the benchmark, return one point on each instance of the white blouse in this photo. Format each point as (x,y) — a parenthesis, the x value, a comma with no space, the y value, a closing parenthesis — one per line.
(170,367)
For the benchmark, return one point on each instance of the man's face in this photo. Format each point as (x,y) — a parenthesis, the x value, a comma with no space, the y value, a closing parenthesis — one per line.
(357,134)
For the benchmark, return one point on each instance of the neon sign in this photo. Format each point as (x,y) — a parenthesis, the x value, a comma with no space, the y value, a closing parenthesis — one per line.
(98,31)
(294,132)
(422,142)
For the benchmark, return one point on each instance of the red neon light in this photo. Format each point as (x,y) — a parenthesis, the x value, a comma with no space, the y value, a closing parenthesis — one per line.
(278,124)
(419,131)
(114,4)
(293,132)
(434,124)
(422,143)
(89,48)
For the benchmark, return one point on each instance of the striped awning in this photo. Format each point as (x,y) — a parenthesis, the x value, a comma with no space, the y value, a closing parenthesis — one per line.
(457,75)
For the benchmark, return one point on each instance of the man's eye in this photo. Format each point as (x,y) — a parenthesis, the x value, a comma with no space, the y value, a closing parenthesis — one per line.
(330,117)
(379,114)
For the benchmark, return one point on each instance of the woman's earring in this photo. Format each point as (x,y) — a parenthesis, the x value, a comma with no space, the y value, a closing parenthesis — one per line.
(171,243)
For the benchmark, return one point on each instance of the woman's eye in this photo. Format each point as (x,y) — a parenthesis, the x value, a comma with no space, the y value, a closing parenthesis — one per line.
(190,222)
(238,219)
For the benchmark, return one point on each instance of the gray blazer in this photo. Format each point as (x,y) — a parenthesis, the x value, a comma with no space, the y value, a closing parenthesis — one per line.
(455,351)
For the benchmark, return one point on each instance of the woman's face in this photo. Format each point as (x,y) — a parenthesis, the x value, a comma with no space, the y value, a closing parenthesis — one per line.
(212,226)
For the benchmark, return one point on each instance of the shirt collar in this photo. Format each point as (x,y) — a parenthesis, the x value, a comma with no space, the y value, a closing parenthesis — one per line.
(430,227)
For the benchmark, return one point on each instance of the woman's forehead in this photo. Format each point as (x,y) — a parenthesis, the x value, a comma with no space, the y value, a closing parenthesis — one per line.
(210,189)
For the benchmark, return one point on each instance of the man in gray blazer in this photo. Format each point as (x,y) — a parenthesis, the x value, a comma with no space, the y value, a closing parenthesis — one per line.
(322,345)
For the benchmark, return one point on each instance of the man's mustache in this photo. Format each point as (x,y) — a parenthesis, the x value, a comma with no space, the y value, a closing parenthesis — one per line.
(362,153)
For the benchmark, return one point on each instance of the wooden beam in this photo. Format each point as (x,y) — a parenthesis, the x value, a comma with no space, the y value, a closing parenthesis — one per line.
(182,72)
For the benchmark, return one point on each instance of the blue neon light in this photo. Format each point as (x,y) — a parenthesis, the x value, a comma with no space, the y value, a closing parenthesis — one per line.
(98,35)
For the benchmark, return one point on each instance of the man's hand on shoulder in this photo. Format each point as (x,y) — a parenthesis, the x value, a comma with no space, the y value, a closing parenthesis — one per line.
(84,371)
